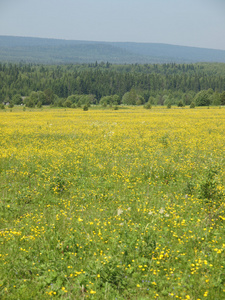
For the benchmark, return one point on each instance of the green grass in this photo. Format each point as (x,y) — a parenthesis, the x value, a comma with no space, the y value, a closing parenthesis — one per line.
(112,204)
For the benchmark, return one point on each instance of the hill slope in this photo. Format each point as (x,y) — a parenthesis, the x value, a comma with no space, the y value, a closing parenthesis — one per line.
(53,51)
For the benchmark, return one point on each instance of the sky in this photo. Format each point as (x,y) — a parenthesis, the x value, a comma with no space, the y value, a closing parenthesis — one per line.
(195,23)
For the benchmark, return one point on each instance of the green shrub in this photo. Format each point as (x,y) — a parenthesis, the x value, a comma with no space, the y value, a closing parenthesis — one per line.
(29,102)
(39,104)
(85,107)
(17,99)
(148,105)
(202,98)
(67,103)
(192,105)
(180,104)
(208,187)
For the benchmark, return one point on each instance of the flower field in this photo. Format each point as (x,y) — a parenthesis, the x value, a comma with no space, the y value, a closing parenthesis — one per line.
(105,204)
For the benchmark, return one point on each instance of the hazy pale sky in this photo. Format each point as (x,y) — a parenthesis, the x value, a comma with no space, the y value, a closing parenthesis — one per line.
(198,23)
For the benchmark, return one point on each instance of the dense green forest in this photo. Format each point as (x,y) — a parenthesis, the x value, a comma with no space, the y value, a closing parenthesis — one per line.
(109,84)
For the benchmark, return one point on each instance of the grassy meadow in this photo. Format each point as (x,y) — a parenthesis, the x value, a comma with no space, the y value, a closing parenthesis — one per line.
(105,204)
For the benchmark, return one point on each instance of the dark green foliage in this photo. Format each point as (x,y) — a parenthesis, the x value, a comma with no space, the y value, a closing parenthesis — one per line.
(222,98)
(148,105)
(106,100)
(39,96)
(49,97)
(78,104)
(140,100)
(67,103)
(192,105)
(180,104)
(125,99)
(2,106)
(85,107)
(189,189)
(29,102)
(111,274)
(17,99)
(73,98)
(131,98)
(187,98)
(215,99)
(151,100)
(39,104)
(59,102)
(134,84)
(202,98)
(11,105)
(116,99)
(208,187)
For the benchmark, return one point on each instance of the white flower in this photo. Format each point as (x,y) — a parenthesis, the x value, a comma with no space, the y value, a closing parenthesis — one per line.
(161,210)
(119,211)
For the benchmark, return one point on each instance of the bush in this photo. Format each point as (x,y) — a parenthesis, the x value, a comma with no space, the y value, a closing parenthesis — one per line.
(105,100)
(169,105)
(29,102)
(67,103)
(85,107)
(39,104)
(215,99)
(139,101)
(222,98)
(11,105)
(60,102)
(79,103)
(180,104)
(208,187)
(192,105)
(17,99)
(151,100)
(2,106)
(148,105)
(202,98)
(131,98)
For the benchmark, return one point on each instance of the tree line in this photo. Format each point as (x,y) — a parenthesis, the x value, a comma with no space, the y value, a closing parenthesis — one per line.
(109,84)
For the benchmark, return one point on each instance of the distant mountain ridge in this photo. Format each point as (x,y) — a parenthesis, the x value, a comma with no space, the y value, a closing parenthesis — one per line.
(58,51)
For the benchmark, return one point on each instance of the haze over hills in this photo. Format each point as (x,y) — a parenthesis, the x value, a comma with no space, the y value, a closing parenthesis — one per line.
(56,51)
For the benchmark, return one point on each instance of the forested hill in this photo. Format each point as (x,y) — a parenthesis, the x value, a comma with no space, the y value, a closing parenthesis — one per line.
(100,83)
(53,51)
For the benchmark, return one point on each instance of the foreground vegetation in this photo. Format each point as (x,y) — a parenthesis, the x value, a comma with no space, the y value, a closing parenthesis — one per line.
(105,204)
